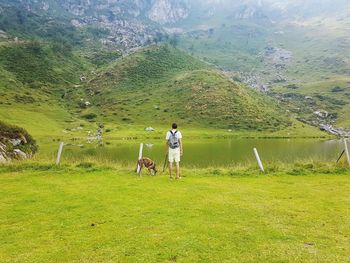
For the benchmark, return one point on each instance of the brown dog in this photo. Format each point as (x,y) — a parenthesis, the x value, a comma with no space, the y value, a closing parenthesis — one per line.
(149,164)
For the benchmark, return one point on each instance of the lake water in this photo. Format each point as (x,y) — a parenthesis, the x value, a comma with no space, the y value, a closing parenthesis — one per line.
(213,152)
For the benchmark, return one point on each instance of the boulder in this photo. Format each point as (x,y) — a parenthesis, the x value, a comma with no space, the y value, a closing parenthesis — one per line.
(15,142)
(321,113)
(19,155)
(2,148)
(3,156)
(2,159)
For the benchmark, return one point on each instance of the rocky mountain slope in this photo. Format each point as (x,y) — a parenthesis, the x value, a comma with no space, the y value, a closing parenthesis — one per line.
(118,23)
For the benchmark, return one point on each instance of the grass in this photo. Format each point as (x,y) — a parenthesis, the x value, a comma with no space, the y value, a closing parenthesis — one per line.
(97,214)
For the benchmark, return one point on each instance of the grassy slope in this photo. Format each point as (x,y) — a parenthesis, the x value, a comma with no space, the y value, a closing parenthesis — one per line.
(34,75)
(319,49)
(319,55)
(332,95)
(230,46)
(162,84)
(110,215)
(46,63)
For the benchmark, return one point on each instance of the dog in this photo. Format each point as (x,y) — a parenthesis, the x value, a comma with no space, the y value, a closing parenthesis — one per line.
(149,164)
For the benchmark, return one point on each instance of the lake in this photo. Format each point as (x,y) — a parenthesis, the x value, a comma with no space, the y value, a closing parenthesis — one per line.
(212,152)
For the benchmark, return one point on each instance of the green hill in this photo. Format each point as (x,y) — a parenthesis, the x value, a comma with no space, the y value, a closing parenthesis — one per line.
(161,84)
(41,90)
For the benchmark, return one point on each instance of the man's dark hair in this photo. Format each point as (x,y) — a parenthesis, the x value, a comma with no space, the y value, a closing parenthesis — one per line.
(174,126)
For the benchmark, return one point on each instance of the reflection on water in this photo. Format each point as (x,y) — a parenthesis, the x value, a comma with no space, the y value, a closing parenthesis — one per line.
(215,152)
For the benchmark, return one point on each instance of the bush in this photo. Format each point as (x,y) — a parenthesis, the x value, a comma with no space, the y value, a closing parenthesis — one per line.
(89,116)
(338,89)
(292,86)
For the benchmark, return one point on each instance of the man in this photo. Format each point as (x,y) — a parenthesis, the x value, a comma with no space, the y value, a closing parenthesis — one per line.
(174,149)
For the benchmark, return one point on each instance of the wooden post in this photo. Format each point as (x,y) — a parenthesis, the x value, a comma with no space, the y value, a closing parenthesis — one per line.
(138,170)
(258,160)
(347,151)
(59,153)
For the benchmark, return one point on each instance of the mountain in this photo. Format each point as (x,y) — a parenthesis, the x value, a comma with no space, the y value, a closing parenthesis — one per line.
(296,53)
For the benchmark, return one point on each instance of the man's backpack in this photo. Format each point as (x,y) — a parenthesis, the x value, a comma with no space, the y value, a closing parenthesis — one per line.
(173,140)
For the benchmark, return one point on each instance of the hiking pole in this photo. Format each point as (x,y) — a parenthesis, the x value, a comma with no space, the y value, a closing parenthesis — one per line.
(341,156)
(165,162)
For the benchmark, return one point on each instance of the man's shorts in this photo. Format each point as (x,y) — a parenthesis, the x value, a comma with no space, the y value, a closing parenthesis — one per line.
(174,155)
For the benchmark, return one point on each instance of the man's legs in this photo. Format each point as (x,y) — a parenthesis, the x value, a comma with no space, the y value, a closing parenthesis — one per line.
(178,170)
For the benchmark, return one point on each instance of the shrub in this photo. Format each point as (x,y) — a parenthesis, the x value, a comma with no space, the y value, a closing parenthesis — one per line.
(338,89)
(89,116)
(292,86)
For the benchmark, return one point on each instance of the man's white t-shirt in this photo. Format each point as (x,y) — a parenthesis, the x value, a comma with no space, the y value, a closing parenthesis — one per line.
(178,135)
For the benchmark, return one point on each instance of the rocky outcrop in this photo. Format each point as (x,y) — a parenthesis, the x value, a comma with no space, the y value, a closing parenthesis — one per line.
(279,58)
(130,23)
(341,132)
(3,35)
(15,143)
(8,153)
(3,151)
(166,11)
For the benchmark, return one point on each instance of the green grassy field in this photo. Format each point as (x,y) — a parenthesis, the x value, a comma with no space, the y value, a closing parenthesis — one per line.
(110,215)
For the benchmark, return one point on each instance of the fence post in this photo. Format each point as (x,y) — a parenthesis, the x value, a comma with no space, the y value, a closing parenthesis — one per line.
(258,160)
(138,170)
(59,153)
(347,151)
